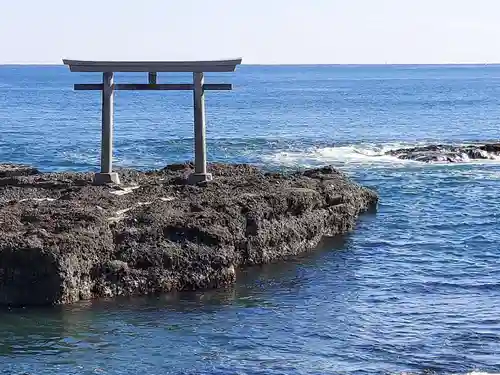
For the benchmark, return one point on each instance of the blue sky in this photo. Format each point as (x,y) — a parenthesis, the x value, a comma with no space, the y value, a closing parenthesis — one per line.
(260,31)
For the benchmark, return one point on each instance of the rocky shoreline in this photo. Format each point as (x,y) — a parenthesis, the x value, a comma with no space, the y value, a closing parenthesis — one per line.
(63,239)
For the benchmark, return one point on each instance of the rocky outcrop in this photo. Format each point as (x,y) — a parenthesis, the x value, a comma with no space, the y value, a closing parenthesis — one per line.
(8,170)
(63,239)
(448,153)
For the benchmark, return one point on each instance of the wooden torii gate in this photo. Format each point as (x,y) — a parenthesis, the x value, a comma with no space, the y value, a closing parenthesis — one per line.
(107,87)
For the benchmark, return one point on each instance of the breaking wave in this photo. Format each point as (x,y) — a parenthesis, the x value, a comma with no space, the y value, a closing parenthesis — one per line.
(391,153)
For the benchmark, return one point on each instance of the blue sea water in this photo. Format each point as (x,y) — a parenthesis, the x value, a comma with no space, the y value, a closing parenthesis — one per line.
(414,288)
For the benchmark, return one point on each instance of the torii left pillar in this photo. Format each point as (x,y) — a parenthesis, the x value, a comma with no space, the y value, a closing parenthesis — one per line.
(107,176)
(200,147)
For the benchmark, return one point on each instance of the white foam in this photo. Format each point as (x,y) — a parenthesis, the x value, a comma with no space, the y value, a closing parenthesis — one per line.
(362,154)
(355,154)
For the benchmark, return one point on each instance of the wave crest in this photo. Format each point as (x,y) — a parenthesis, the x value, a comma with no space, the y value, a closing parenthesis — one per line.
(392,153)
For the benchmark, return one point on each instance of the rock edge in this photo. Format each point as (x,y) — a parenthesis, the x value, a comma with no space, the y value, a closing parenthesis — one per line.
(63,239)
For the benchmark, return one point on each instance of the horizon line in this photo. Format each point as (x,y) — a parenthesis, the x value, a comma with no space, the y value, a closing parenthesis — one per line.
(294,64)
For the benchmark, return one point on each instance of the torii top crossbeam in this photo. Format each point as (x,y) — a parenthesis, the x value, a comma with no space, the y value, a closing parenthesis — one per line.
(153,66)
(107,87)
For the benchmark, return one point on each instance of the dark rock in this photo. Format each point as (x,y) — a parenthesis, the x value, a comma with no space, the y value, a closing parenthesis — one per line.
(63,239)
(179,167)
(448,153)
(493,147)
(11,170)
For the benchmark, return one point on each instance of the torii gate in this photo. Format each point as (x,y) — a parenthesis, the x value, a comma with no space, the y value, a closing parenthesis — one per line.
(108,68)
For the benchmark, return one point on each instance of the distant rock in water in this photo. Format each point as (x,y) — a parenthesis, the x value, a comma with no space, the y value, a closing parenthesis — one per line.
(448,153)
(63,239)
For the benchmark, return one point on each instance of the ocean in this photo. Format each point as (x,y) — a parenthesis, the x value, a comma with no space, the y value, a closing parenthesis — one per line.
(415,288)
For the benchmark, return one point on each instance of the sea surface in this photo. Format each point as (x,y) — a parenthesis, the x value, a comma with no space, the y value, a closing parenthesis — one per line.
(415,288)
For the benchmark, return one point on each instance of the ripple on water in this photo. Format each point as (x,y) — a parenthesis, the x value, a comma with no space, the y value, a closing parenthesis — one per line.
(413,288)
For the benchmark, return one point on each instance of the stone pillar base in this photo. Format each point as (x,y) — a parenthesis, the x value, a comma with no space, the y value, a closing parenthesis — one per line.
(195,178)
(106,178)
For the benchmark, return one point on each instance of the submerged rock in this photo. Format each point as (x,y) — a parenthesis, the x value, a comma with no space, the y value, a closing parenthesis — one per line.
(448,153)
(63,239)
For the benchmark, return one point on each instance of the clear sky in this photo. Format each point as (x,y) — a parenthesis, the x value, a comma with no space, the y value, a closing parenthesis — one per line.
(260,31)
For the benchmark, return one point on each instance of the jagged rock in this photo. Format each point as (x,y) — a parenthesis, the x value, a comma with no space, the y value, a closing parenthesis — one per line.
(11,170)
(493,148)
(63,239)
(448,153)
